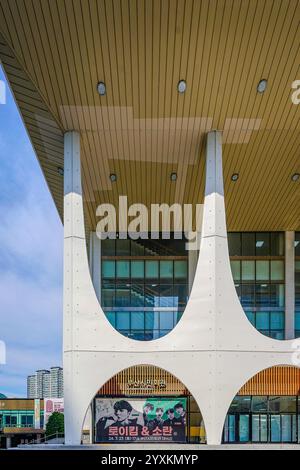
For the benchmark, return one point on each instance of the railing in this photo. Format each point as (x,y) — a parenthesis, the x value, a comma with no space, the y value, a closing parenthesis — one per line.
(43,440)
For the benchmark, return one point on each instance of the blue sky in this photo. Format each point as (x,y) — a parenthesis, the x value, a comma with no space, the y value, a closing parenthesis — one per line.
(30,258)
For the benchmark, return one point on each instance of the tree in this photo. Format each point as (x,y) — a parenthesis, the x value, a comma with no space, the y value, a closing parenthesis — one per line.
(55,424)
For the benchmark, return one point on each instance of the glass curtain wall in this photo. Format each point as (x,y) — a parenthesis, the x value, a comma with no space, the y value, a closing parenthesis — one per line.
(263,419)
(144,285)
(257,263)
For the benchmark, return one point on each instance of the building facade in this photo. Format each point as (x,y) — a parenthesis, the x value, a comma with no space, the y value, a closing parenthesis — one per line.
(21,421)
(46,383)
(188,103)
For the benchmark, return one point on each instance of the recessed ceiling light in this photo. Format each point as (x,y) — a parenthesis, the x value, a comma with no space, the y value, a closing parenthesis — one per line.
(259,243)
(113,177)
(173,176)
(181,87)
(60,171)
(101,88)
(295,176)
(234,177)
(262,85)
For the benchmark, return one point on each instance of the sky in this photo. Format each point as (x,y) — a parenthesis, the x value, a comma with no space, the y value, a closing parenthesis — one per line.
(31,256)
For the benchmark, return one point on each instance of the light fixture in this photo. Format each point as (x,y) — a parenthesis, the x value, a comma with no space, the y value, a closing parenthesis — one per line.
(296,243)
(259,243)
(60,171)
(113,177)
(262,85)
(101,88)
(181,86)
(234,177)
(173,176)
(295,176)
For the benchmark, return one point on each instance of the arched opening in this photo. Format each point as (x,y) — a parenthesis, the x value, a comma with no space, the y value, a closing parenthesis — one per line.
(266,409)
(144,403)
(144,284)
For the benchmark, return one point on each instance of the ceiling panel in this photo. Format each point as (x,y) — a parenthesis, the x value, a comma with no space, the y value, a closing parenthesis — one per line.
(54,53)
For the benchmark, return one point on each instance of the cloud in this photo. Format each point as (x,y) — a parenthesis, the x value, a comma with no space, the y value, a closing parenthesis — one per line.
(30,259)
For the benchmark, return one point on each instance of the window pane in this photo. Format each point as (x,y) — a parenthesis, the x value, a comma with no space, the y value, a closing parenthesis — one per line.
(166,320)
(166,269)
(277,243)
(262,320)
(255,428)
(111,317)
(151,320)
(259,404)
(123,247)
(137,295)
(137,320)
(248,271)
(262,244)
(151,295)
(234,243)
(236,270)
(123,320)
(262,295)
(263,428)
(108,269)
(123,269)
(137,269)
(262,270)
(122,295)
(137,248)
(277,270)
(275,428)
(108,295)
(248,244)
(286,428)
(276,334)
(151,269)
(108,247)
(166,296)
(277,320)
(276,295)
(297,243)
(297,322)
(180,295)
(244,428)
(250,316)
(247,297)
(180,269)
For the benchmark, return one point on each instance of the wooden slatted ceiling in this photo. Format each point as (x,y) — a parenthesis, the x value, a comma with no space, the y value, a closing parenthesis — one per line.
(143,129)
(279,380)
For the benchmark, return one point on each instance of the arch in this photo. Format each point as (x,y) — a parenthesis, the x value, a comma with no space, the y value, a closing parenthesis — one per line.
(156,404)
(266,409)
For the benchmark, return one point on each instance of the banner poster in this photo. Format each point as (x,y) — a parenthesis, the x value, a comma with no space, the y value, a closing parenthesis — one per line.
(140,419)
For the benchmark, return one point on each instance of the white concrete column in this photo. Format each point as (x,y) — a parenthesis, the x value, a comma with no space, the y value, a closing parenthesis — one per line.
(192,263)
(74,235)
(8,442)
(289,285)
(95,263)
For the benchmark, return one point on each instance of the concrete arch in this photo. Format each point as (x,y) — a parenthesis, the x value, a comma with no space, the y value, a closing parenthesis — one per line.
(150,396)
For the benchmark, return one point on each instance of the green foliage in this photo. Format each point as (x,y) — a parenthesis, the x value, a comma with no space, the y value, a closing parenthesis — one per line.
(55,424)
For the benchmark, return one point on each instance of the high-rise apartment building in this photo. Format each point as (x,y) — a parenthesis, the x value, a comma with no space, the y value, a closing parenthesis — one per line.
(45,383)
